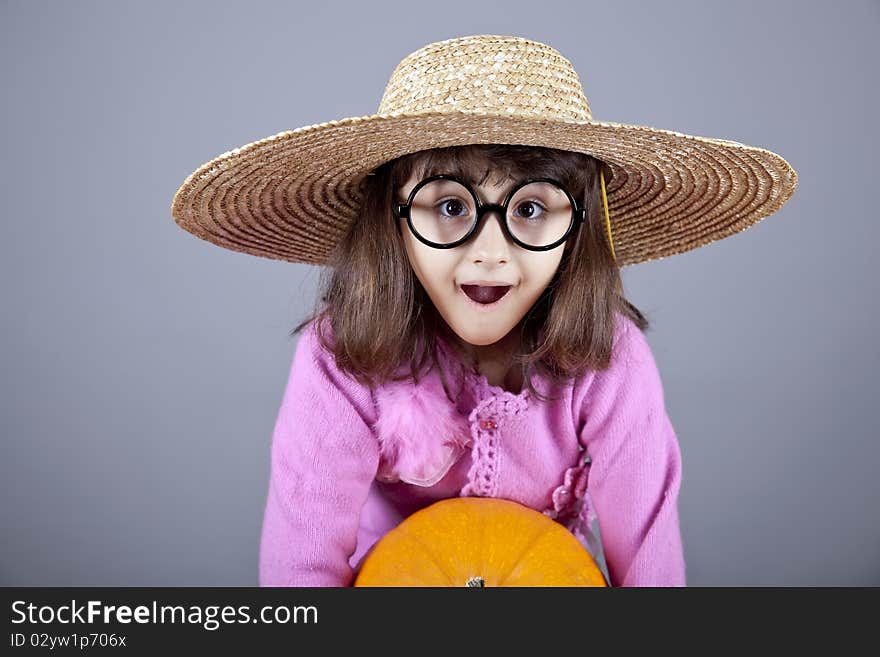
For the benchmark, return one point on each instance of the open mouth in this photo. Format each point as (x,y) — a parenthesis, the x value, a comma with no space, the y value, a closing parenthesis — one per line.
(485,294)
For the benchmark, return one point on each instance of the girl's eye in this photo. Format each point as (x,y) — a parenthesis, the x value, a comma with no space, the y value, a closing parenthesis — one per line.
(453,207)
(530,210)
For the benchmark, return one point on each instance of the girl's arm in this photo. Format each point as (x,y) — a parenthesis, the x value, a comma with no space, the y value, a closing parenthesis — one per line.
(324,459)
(635,474)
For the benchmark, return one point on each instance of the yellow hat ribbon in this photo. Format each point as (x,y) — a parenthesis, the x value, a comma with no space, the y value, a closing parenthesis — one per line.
(607,219)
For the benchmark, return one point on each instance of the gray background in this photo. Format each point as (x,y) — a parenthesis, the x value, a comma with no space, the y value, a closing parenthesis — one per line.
(143,368)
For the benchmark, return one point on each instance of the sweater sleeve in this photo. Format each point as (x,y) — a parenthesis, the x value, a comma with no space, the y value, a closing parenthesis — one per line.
(324,458)
(635,473)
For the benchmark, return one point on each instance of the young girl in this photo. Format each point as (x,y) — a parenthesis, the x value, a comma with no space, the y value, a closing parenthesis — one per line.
(473,337)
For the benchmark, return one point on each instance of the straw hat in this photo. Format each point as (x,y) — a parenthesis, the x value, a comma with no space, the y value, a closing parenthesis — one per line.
(294,195)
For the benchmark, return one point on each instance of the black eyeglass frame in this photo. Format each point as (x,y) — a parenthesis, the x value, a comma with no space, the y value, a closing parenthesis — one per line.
(402,211)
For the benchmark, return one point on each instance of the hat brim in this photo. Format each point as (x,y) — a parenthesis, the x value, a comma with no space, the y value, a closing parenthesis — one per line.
(292,196)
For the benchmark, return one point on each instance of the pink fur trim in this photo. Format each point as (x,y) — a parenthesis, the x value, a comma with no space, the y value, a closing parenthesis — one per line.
(421,434)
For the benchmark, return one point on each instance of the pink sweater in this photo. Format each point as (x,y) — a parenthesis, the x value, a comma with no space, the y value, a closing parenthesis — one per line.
(349,463)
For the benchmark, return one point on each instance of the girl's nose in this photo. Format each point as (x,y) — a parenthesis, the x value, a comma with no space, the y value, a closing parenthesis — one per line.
(490,244)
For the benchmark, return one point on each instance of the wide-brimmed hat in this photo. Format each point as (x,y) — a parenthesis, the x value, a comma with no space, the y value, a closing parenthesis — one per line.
(294,195)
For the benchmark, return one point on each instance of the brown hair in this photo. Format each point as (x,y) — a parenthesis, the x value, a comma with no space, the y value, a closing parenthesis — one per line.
(381,316)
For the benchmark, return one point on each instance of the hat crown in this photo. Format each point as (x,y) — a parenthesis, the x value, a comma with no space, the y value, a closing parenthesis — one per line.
(487,74)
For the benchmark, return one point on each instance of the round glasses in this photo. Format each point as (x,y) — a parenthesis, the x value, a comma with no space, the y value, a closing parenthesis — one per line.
(444,212)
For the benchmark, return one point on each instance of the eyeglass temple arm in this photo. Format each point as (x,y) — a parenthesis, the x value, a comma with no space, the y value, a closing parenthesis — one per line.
(401,211)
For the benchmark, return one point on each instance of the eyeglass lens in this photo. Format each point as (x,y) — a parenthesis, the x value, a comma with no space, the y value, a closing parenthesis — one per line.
(538,214)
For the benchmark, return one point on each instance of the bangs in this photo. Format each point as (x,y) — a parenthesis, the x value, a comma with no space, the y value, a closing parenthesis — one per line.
(494,164)
(472,165)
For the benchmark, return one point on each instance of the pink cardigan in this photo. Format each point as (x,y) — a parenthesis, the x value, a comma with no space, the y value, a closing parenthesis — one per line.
(349,463)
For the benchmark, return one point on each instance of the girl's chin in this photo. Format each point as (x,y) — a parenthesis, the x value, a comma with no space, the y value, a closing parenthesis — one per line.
(468,332)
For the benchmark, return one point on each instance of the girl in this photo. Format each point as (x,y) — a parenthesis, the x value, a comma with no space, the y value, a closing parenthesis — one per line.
(473,336)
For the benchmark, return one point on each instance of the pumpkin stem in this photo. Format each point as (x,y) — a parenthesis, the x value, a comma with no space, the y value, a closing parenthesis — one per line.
(476,581)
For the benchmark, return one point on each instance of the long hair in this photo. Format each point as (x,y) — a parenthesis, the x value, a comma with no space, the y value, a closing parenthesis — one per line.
(382,318)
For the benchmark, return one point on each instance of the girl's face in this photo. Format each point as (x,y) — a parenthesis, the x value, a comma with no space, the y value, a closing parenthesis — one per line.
(489,256)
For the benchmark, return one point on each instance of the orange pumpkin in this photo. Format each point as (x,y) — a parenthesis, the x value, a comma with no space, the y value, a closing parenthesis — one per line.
(478,541)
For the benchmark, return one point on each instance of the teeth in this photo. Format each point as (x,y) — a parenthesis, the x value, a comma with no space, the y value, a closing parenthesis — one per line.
(485,293)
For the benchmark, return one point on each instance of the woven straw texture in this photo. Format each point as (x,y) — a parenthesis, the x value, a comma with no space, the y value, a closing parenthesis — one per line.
(292,196)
